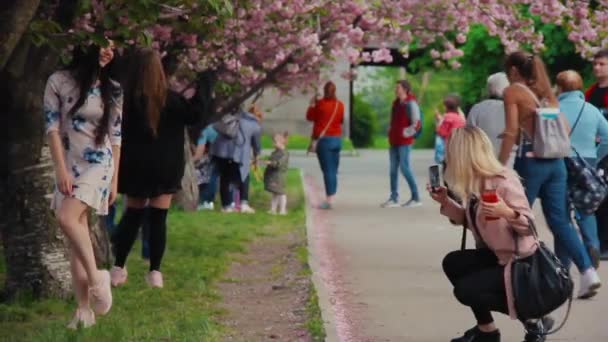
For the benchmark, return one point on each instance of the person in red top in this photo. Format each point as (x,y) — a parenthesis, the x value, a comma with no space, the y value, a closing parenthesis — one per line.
(597,95)
(405,122)
(452,119)
(327,115)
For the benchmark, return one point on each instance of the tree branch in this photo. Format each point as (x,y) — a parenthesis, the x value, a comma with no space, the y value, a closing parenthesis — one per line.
(15,17)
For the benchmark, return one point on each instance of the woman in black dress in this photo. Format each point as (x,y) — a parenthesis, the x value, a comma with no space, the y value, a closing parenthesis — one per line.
(152,160)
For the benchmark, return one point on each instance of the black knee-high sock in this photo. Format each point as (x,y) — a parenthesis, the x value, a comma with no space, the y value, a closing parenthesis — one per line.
(126,233)
(158,236)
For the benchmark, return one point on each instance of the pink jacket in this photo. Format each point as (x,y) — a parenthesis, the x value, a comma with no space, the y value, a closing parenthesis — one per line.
(498,234)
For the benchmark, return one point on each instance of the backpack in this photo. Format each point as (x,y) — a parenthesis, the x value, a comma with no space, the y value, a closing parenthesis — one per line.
(551,139)
(586,188)
(419,125)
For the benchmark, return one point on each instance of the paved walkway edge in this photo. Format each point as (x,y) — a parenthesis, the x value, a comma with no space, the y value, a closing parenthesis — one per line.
(323,266)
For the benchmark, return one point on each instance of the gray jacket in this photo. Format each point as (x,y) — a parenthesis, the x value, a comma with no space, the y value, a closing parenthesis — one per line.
(246,144)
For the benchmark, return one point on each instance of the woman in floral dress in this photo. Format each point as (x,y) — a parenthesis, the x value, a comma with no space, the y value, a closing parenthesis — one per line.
(83,109)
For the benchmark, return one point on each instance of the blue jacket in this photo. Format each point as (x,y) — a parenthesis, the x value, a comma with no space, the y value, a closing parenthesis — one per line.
(590,126)
(246,144)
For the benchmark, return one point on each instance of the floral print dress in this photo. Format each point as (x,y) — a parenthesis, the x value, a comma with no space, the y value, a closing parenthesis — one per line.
(91,165)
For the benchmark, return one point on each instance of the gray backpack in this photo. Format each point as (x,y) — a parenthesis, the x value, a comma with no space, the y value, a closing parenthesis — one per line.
(551,138)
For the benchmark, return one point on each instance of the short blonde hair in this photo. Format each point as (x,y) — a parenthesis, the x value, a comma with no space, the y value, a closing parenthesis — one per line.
(569,80)
(470,159)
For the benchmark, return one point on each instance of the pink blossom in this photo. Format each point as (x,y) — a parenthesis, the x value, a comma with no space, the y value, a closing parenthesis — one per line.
(382,55)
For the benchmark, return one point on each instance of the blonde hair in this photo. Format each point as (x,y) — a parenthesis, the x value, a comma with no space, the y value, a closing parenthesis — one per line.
(569,80)
(255,110)
(470,160)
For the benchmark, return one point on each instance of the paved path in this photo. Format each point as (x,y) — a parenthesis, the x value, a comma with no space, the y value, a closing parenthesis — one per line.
(378,271)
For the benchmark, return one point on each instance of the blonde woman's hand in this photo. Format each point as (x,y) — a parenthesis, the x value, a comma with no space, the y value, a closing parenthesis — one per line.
(65,182)
(439,195)
(497,209)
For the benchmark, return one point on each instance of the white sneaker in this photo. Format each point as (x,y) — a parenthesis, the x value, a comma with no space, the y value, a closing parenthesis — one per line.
(206,206)
(390,203)
(590,282)
(246,209)
(412,204)
(229,210)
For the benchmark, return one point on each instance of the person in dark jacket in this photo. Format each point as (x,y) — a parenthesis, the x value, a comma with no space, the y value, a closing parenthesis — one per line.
(405,121)
(152,161)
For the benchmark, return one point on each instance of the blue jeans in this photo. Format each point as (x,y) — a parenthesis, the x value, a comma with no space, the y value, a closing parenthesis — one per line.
(400,159)
(588,223)
(328,153)
(547,179)
(207,191)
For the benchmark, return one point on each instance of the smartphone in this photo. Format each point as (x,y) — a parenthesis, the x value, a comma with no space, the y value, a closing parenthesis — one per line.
(434,177)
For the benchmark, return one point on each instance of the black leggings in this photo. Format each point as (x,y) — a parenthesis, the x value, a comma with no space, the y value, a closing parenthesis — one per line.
(126,233)
(478,282)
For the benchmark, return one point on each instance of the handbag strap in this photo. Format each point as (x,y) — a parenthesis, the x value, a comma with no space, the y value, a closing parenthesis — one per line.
(333,115)
(580,113)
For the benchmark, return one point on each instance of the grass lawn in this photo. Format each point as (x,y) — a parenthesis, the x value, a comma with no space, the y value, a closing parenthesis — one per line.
(301,142)
(198,252)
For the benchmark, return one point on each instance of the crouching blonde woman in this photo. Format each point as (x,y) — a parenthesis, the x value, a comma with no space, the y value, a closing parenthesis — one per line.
(481,277)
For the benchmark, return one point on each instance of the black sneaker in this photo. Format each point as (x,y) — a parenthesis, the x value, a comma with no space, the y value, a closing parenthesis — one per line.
(476,335)
(535,331)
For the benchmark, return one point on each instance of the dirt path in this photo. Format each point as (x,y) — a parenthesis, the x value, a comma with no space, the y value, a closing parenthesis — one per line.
(266,290)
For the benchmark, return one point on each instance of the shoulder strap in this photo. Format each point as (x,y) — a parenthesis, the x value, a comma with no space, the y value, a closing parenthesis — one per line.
(333,115)
(580,113)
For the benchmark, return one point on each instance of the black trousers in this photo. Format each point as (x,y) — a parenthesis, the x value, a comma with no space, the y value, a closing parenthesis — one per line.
(478,282)
(230,173)
(602,225)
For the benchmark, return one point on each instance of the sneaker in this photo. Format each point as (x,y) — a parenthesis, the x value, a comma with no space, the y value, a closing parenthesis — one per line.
(246,209)
(82,318)
(536,329)
(391,203)
(590,282)
(272,212)
(100,295)
(325,206)
(412,204)
(229,210)
(155,279)
(205,206)
(283,213)
(118,275)
(476,335)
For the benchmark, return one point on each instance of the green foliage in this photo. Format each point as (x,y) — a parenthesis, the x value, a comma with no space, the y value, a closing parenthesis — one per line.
(200,248)
(376,86)
(365,122)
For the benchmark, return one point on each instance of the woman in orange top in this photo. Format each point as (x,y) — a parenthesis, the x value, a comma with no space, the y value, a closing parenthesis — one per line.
(327,115)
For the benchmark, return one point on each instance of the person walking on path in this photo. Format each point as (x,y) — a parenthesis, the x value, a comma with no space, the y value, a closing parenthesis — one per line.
(405,122)
(83,109)
(481,277)
(489,114)
(597,95)
(543,178)
(152,161)
(588,125)
(327,116)
(233,160)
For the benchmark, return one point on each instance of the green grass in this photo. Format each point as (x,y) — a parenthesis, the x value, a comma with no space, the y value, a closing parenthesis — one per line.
(301,142)
(314,323)
(198,252)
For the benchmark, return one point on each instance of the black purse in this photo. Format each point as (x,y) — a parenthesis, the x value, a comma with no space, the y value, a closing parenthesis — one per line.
(540,282)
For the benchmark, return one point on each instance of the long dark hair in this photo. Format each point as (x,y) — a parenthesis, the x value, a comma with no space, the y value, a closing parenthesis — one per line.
(533,70)
(85,70)
(147,88)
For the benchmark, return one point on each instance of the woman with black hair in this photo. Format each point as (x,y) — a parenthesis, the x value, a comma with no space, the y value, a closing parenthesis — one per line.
(83,110)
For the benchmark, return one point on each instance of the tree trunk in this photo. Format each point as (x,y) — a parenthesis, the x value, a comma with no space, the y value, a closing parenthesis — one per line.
(100,239)
(187,197)
(15,17)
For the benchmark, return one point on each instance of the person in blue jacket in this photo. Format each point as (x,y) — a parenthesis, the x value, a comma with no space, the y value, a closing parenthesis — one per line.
(588,126)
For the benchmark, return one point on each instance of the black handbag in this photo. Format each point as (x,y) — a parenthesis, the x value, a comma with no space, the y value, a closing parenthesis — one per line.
(540,282)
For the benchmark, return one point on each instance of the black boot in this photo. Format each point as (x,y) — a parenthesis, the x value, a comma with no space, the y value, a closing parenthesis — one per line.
(476,335)
(535,331)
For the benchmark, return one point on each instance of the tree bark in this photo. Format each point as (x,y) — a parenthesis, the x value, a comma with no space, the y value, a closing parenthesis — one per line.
(187,197)
(15,17)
